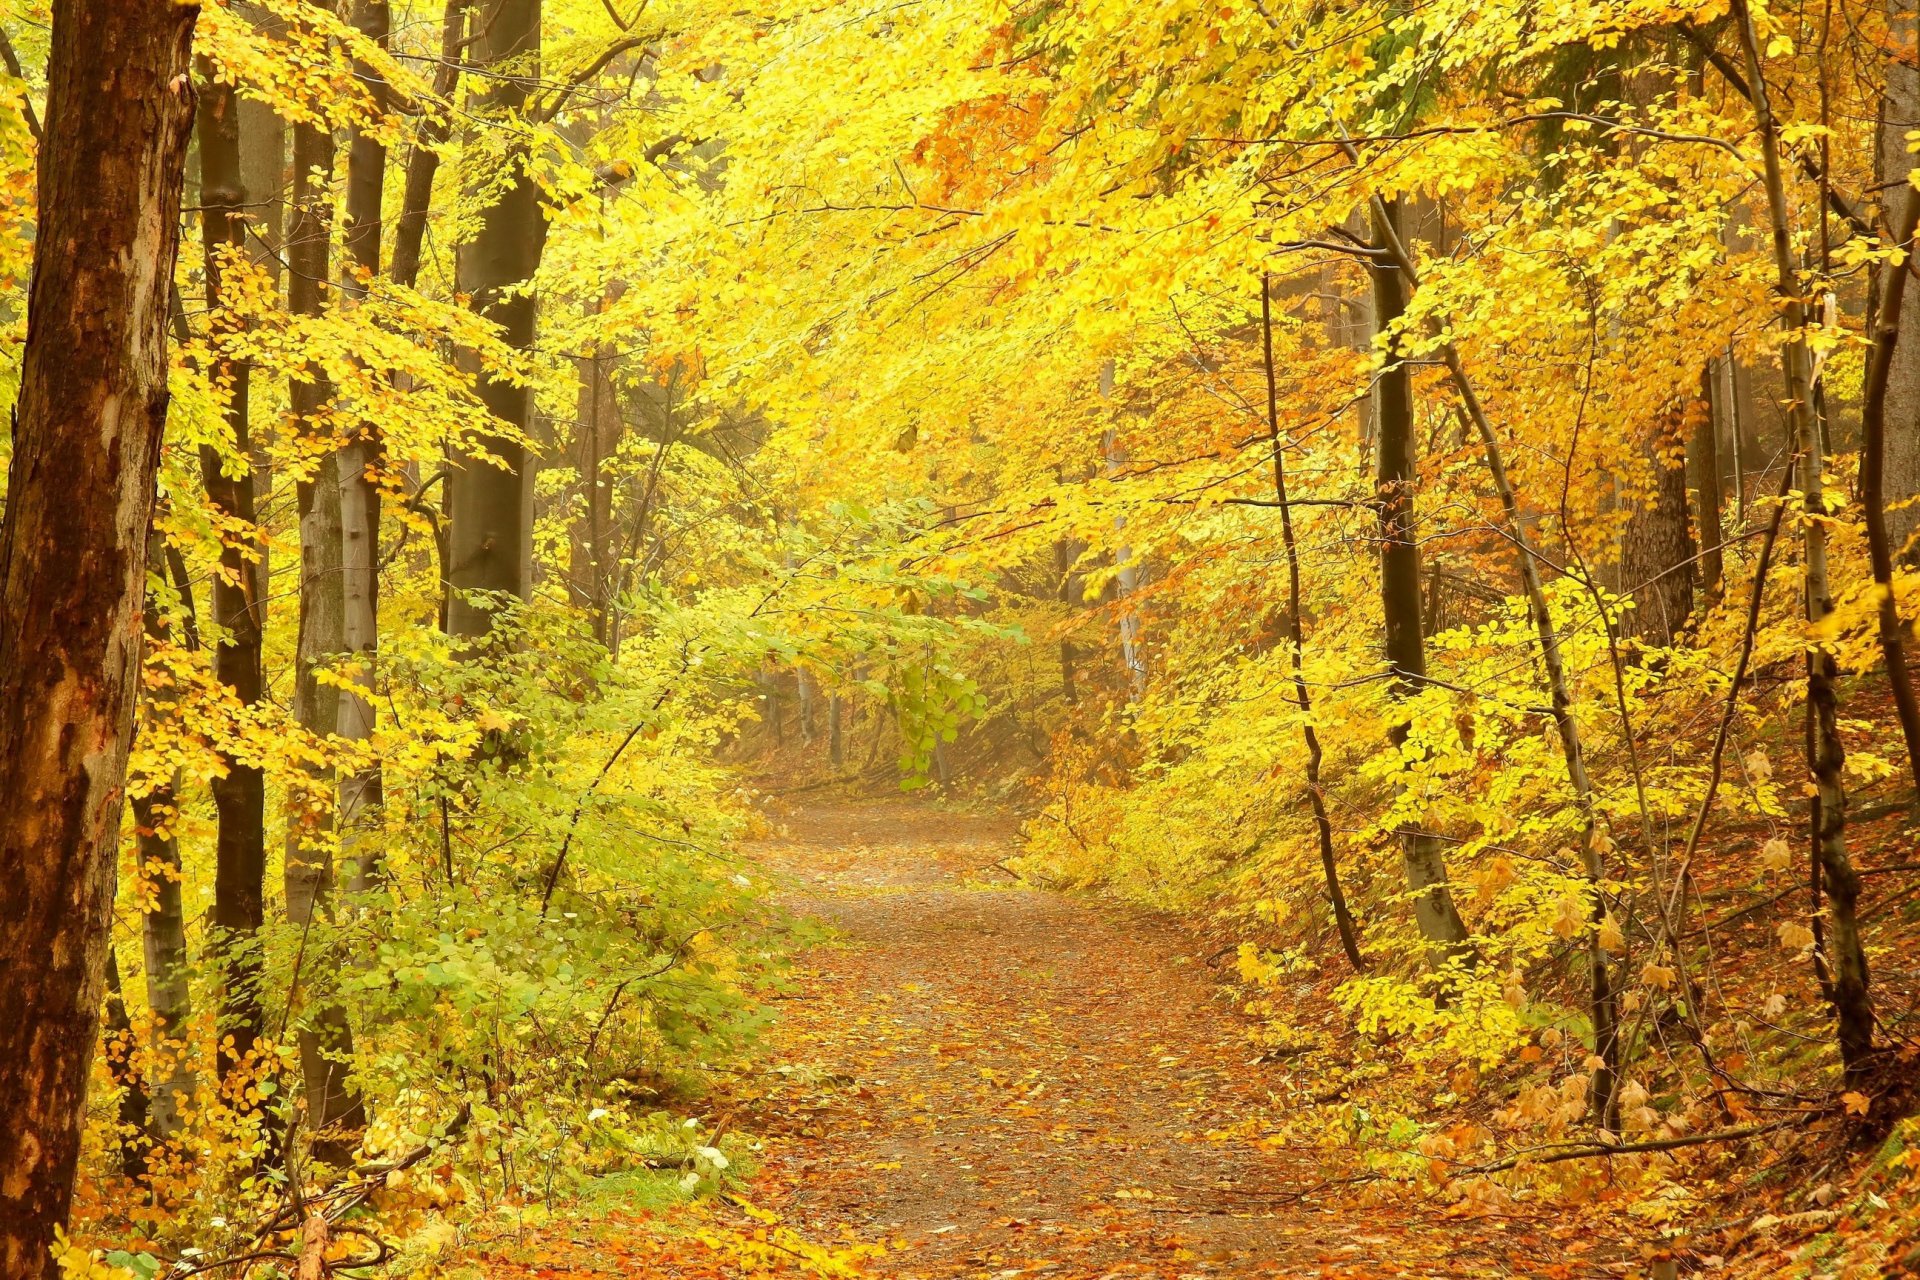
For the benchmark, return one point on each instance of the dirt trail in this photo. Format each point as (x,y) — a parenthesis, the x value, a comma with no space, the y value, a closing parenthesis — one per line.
(1015,1082)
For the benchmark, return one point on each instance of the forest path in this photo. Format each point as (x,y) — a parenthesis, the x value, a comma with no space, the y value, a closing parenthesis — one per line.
(1003,1081)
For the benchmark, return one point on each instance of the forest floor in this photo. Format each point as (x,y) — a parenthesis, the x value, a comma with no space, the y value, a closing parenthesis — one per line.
(980,1077)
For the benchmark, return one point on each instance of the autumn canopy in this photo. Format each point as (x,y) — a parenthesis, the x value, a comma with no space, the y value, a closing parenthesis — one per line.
(1392,525)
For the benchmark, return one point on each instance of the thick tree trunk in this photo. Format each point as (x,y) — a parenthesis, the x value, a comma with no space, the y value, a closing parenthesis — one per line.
(1657,551)
(1826,755)
(1900,115)
(238,601)
(91,410)
(362,793)
(490,535)
(1406,649)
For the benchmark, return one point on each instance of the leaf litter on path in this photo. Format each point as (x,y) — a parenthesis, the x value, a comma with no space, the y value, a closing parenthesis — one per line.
(985,1079)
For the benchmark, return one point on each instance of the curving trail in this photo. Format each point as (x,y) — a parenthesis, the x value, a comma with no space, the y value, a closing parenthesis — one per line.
(1003,1081)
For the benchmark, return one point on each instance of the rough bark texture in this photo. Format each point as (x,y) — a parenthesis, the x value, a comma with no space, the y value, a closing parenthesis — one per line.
(1406,649)
(238,601)
(1899,115)
(92,406)
(1657,550)
(489,540)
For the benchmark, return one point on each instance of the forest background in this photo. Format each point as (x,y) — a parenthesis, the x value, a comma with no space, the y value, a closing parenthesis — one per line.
(1425,490)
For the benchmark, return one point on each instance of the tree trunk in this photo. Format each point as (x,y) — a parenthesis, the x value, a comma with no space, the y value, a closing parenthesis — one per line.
(1603,1000)
(1873,498)
(1826,756)
(1657,551)
(836,739)
(238,600)
(423,162)
(597,438)
(1406,650)
(163,927)
(1900,115)
(135,1138)
(363,792)
(489,538)
(91,410)
(1296,645)
(1704,455)
(326,1040)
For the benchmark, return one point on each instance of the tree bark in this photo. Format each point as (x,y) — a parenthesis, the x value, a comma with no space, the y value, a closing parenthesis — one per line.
(91,411)
(490,530)
(1405,642)
(1657,550)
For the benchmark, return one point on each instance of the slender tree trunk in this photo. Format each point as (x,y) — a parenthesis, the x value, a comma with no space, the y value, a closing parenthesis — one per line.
(488,541)
(164,925)
(1066,553)
(1826,761)
(362,793)
(1406,649)
(1656,550)
(1296,648)
(1704,453)
(1126,579)
(238,600)
(326,1040)
(597,439)
(88,422)
(836,741)
(1603,998)
(135,1138)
